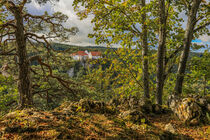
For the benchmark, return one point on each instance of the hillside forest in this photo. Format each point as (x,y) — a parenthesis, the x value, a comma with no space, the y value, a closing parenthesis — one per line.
(150,80)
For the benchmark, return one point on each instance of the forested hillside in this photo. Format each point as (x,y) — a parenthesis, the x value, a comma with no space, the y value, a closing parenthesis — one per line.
(146,76)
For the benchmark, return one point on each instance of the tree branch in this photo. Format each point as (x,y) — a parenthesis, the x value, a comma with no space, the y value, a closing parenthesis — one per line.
(173,54)
(8,52)
(201,27)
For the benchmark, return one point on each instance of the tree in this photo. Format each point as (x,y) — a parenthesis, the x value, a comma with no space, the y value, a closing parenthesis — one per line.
(145,63)
(197,11)
(161,51)
(123,22)
(22,27)
(199,73)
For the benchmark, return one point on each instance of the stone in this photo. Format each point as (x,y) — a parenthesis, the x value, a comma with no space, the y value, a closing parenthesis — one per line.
(85,105)
(189,111)
(133,102)
(173,101)
(202,102)
(134,116)
(156,108)
(145,105)
(114,102)
(169,127)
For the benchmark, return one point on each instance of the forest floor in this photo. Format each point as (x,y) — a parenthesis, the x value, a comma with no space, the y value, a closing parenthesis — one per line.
(34,124)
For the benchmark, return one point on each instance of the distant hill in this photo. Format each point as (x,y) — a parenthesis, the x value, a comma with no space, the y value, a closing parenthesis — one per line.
(59,46)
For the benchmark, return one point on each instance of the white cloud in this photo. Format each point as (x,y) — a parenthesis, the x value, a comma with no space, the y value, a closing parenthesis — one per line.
(85,26)
(65,6)
(37,9)
(205,38)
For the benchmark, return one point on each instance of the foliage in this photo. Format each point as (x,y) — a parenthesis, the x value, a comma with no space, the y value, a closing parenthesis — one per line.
(27,32)
(198,76)
(8,94)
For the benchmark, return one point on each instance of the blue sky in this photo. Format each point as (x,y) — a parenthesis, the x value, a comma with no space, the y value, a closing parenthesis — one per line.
(199,41)
(85,26)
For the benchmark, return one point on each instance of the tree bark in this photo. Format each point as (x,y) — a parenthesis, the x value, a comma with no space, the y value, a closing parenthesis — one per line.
(161,52)
(191,22)
(24,81)
(145,65)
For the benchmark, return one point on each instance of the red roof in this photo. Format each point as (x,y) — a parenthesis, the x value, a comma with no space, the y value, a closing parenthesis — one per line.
(96,53)
(73,54)
(82,53)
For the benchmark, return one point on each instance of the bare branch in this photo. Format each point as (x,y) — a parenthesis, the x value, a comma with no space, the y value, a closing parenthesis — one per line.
(9,23)
(8,52)
(60,80)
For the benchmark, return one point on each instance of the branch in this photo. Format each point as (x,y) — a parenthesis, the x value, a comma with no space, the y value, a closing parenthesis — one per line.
(8,52)
(9,23)
(22,4)
(201,27)
(41,91)
(199,18)
(186,3)
(7,34)
(61,81)
(173,54)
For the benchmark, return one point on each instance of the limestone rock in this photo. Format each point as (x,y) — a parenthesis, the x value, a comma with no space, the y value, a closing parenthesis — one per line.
(157,109)
(114,102)
(91,106)
(169,127)
(134,116)
(145,105)
(173,101)
(189,111)
(202,102)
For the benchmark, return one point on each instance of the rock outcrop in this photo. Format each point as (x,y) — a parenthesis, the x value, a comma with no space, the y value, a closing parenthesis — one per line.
(134,116)
(191,110)
(86,105)
(141,104)
(169,127)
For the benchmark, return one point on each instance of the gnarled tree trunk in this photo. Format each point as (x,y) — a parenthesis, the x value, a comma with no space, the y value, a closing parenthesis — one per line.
(24,81)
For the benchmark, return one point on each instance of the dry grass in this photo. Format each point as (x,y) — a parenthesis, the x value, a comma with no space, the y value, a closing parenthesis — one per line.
(33,124)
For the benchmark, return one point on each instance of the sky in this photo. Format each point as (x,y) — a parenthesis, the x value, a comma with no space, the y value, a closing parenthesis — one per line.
(85,26)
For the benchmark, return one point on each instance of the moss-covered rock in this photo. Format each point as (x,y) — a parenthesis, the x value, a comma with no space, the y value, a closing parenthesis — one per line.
(189,111)
(86,105)
(134,116)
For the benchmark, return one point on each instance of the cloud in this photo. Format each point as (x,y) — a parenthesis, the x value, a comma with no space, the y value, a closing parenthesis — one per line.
(65,6)
(85,26)
(205,38)
(35,8)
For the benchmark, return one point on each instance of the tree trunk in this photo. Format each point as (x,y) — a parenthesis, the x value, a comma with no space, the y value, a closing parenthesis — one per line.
(161,49)
(24,81)
(145,54)
(187,42)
